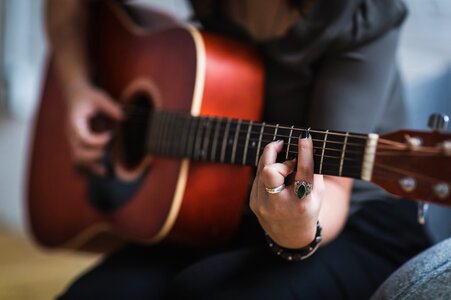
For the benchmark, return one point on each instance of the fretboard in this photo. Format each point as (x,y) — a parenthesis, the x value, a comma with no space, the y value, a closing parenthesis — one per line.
(240,142)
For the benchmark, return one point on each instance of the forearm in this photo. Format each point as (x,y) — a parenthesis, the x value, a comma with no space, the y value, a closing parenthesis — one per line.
(66,27)
(335,206)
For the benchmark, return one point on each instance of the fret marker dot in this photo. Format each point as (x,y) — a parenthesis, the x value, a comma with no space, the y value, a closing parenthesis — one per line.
(253,144)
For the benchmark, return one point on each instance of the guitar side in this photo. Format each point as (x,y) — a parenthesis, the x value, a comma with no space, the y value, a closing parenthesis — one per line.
(179,201)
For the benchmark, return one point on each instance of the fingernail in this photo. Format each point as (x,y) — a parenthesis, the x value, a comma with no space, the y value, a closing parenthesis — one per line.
(280,141)
(305,134)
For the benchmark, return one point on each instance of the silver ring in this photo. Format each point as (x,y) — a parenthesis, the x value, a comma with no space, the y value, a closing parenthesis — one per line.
(302,188)
(275,190)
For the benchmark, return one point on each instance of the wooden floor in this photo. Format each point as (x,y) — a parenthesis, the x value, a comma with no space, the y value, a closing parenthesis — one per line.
(28,272)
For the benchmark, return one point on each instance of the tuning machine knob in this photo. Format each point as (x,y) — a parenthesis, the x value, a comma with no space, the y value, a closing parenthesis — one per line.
(438,122)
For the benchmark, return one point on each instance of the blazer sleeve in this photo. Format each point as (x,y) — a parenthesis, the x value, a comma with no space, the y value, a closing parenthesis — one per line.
(356,89)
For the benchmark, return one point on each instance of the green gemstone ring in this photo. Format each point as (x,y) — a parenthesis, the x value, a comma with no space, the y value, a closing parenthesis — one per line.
(302,188)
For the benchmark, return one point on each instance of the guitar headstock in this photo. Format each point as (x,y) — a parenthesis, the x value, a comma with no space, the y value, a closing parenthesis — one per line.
(416,164)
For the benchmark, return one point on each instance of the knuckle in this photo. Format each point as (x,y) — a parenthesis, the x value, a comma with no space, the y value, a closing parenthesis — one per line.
(258,209)
(267,176)
(301,207)
(268,146)
(267,172)
(262,212)
(253,205)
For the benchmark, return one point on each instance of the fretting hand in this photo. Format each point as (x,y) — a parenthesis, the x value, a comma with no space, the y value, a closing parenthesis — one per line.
(288,219)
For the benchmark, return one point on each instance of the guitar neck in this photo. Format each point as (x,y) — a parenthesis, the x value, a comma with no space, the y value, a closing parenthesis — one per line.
(240,142)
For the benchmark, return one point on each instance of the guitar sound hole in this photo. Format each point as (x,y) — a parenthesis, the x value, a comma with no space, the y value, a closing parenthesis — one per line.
(135,129)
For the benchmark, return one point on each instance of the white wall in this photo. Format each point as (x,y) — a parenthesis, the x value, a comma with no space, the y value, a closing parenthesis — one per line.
(24,55)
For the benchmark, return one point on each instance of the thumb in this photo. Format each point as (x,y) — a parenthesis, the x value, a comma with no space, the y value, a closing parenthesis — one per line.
(111,108)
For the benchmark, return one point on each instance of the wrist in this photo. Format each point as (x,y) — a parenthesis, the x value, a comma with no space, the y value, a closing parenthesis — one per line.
(296,254)
(74,85)
(294,238)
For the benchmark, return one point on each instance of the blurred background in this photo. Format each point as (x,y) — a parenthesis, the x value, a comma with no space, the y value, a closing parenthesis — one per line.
(28,272)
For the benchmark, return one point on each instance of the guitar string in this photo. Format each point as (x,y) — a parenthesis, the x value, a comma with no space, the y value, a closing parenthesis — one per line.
(268,134)
(381,142)
(293,148)
(294,153)
(328,168)
(242,142)
(246,122)
(244,131)
(380,146)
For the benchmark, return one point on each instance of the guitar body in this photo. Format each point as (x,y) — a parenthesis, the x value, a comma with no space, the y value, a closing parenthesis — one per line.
(174,68)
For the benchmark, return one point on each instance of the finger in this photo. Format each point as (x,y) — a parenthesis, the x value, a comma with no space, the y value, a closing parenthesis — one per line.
(274,175)
(110,107)
(305,159)
(97,169)
(86,156)
(83,133)
(269,155)
(95,140)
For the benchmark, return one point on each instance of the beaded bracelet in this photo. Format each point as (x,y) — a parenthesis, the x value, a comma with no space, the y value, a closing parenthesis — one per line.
(296,254)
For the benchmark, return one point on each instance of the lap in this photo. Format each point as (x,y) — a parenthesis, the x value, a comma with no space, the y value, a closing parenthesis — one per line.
(350,267)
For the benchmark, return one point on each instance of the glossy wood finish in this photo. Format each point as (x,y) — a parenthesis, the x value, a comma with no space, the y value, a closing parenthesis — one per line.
(233,88)
(428,165)
(59,212)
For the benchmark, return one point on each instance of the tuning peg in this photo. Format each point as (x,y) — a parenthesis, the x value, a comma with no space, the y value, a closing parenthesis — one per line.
(438,122)
(422,212)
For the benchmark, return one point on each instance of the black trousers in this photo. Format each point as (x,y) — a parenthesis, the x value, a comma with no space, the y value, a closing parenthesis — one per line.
(376,240)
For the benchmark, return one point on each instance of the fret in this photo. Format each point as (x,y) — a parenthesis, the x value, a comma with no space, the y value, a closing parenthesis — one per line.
(241,143)
(289,143)
(332,153)
(235,140)
(181,135)
(322,153)
(168,136)
(198,139)
(259,143)
(275,132)
(164,128)
(355,150)
(173,125)
(215,139)
(192,131)
(153,133)
(251,149)
(172,135)
(162,136)
(246,145)
(224,140)
(184,138)
(343,151)
(204,149)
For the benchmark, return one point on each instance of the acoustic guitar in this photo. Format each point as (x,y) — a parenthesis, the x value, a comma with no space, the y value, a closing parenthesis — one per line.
(191,137)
